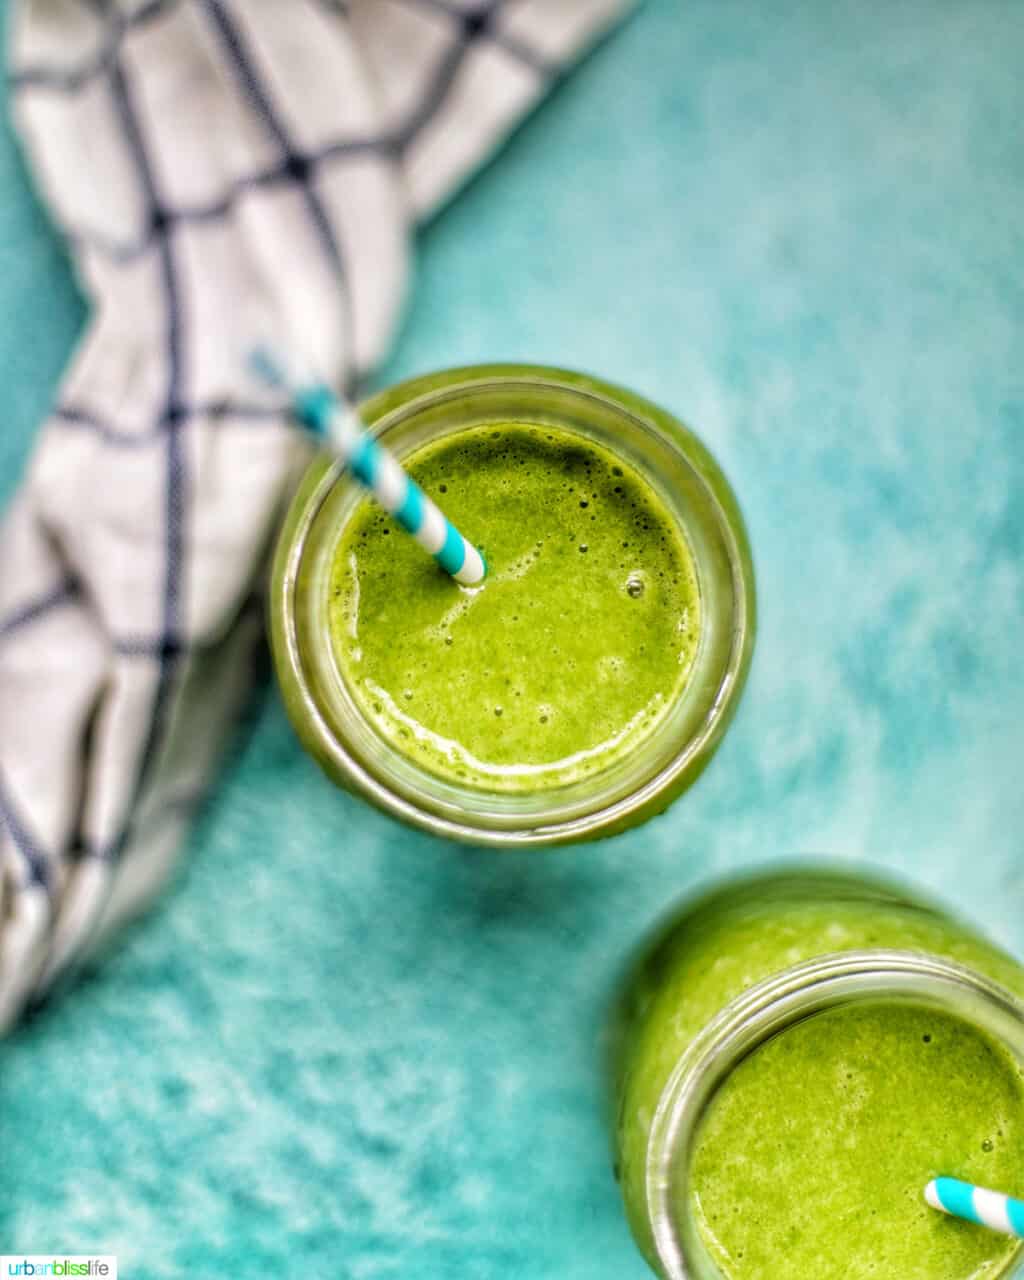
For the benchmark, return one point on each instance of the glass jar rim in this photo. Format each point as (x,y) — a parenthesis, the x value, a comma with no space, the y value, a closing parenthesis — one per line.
(764,1010)
(558,821)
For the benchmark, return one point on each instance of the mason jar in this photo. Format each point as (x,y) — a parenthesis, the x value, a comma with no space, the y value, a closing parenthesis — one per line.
(735,974)
(687,481)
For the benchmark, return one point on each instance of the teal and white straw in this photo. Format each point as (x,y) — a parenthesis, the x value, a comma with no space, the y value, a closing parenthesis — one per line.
(338,424)
(976,1204)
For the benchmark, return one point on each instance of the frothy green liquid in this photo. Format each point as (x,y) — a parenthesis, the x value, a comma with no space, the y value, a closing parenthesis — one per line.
(571,652)
(814,1157)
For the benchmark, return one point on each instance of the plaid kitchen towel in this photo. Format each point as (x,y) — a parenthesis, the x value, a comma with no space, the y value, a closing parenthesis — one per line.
(209,161)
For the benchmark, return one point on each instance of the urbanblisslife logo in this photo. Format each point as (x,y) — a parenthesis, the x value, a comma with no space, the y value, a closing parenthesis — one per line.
(48,1264)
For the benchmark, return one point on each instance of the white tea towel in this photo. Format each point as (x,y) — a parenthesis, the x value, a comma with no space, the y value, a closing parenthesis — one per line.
(209,161)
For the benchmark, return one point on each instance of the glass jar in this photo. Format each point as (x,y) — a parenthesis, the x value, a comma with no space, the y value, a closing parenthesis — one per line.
(696,494)
(731,972)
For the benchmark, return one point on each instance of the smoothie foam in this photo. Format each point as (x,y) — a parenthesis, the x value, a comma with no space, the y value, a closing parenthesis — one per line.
(571,652)
(817,1149)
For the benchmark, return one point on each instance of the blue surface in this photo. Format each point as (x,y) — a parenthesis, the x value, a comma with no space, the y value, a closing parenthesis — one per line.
(336,1042)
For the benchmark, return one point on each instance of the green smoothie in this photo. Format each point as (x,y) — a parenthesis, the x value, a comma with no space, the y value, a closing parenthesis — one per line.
(857,1110)
(811,1160)
(570,653)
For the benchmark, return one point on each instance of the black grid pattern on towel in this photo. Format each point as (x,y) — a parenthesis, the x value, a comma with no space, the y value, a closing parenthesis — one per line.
(294,168)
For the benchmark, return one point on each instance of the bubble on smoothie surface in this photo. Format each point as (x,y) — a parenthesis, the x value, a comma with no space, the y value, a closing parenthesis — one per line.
(612,667)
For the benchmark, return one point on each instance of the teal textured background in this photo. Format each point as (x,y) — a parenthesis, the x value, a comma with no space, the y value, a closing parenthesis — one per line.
(339,1044)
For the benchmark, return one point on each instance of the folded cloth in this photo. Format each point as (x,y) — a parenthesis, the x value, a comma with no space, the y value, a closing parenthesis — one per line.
(210,161)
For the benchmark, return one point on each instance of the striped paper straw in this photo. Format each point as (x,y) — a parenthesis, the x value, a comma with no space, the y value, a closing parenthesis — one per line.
(975,1204)
(338,424)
